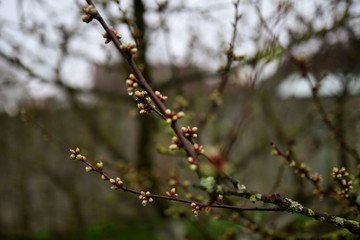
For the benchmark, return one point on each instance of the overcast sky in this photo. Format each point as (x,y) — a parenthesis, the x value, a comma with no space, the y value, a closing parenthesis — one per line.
(214,30)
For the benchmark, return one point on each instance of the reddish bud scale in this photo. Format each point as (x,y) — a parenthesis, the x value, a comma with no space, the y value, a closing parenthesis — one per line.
(196,208)
(145,197)
(198,149)
(189,133)
(172,193)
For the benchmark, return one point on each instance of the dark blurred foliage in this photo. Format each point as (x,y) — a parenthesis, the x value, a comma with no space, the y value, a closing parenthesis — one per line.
(45,195)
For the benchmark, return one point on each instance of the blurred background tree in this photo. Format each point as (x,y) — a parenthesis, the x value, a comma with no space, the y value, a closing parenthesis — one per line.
(62,87)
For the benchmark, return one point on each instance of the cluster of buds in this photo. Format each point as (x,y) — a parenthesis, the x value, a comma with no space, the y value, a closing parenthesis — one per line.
(172,116)
(172,193)
(131,83)
(160,96)
(199,149)
(301,170)
(107,37)
(340,175)
(145,197)
(100,165)
(75,154)
(196,208)
(193,163)
(90,13)
(145,105)
(131,47)
(176,144)
(317,179)
(116,183)
(189,133)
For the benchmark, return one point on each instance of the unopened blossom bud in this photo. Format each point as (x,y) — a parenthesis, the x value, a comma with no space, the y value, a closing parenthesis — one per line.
(133,51)
(132,44)
(193,167)
(86,18)
(100,165)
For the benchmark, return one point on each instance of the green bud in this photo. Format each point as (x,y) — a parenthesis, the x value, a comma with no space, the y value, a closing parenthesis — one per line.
(123,47)
(132,76)
(193,167)
(93,11)
(100,165)
(86,18)
(167,111)
(131,44)
(173,147)
(180,114)
(134,51)
(129,82)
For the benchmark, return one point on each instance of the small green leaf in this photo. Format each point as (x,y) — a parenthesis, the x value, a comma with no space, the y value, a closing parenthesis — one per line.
(208,183)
